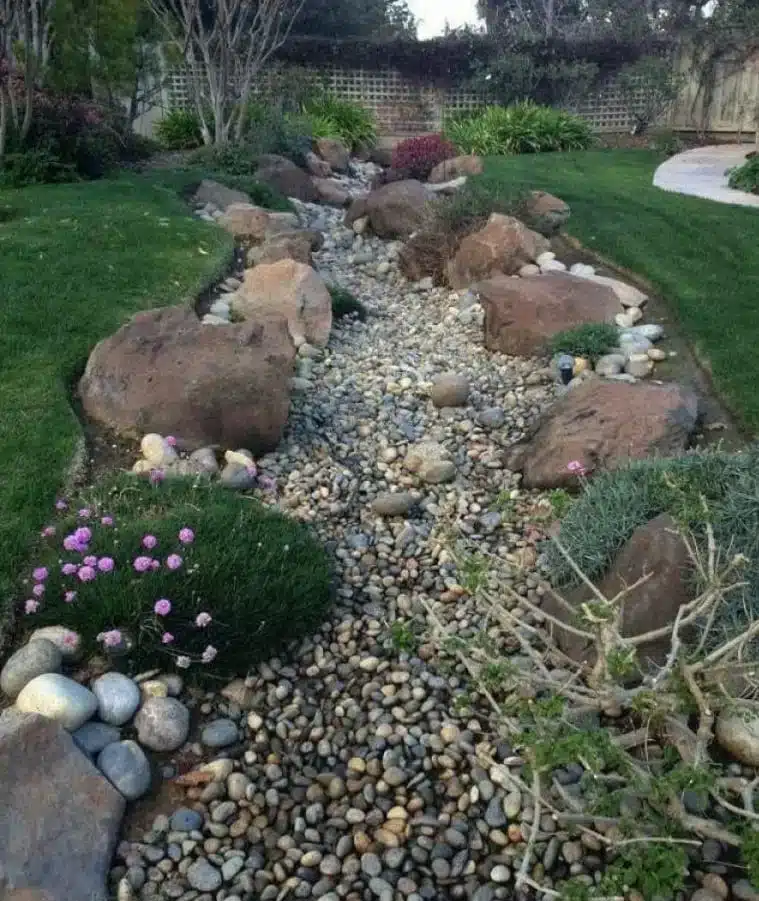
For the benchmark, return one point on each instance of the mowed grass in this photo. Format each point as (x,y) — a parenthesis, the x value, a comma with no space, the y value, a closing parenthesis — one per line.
(701,257)
(76,261)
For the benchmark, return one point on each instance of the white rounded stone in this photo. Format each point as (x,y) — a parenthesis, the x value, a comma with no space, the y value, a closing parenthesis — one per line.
(118,698)
(58,698)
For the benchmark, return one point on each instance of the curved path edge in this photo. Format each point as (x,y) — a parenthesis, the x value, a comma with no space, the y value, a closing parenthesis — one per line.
(703,172)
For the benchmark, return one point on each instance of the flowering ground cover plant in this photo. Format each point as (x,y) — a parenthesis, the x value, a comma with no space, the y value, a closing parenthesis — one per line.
(177,574)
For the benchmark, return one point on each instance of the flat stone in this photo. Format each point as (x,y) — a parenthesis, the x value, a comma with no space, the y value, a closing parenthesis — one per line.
(58,698)
(126,767)
(60,816)
(610,364)
(219,734)
(118,698)
(737,731)
(31,660)
(186,820)
(393,503)
(450,390)
(92,737)
(203,877)
(162,724)
(491,418)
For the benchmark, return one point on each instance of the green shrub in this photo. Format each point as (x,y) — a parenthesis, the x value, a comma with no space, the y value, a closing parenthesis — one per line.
(647,87)
(349,122)
(179,130)
(262,578)
(35,167)
(344,303)
(233,159)
(746,177)
(613,505)
(667,142)
(592,340)
(522,128)
(270,130)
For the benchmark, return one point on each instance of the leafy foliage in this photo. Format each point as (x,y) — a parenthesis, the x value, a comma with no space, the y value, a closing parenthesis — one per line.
(746,177)
(261,577)
(592,340)
(349,122)
(522,128)
(648,86)
(35,167)
(179,130)
(379,19)
(514,76)
(417,157)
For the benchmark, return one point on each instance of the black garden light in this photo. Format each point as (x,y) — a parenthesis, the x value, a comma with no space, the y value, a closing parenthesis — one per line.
(566,366)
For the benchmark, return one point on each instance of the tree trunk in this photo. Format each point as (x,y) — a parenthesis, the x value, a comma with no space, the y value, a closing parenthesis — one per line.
(3,123)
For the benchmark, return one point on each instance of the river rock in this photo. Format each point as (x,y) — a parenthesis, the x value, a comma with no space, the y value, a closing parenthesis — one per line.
(118,698)
(219,734)
(737,730)
(68,642)
(30,660)
(450,390)
(126,767)
(58,698)
(92,737)
(162,724)
(204,877)
(393,503)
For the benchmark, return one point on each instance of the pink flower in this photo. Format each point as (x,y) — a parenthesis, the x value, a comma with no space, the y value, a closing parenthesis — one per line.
(38,590)
(110,639)
(69,597)
(576,468)
(183,662)
(48,532)
(31,607)
(167,638)
(40,574)
(209,654)
(154,564)
(202,620)
(106,564)
(71,544)
(69,569)
(83,534)
(186,536)
(87,574)
(171,440)
(149,541)
(156,476)
(107,521)
(84,513)
(267,483)
(162,607)
(90,560)
(173,561)
(142,564)
(251,469)
(70,639)
(61,504)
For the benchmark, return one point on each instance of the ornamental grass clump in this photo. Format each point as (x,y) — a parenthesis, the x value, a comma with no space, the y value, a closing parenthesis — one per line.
(177,574)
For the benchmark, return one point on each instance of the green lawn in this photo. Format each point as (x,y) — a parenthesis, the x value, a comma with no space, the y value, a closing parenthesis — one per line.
(75,262)
(701,257)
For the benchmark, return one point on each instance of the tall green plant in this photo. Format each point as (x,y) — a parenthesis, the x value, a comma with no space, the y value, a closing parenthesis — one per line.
(350,122)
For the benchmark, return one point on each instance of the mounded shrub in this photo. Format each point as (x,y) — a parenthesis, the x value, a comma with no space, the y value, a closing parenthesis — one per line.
(522,128)
(417,157)
(350,122)
(746,177)
(179,130)
(261,578)
(592,340)
(344,303)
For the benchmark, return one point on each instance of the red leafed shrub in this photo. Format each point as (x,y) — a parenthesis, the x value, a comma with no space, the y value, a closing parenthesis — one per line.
(417,157)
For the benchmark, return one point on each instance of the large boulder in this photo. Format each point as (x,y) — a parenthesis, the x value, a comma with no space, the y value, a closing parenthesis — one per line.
(219,195)
(245,220)
(603,424)
(455,168)
(317,166)
(395,210)
(655,550)
(166,372)
(523,314)
(503,245)
(284,176)
(294,245)
(60,816)
(292,290)
(334,152)
(331,192)
(545,213)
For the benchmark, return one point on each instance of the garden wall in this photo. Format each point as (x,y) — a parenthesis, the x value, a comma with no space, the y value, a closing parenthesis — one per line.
(409,105)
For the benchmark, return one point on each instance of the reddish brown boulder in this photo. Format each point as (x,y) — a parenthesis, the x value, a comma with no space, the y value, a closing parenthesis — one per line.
(656,550)
(334,152)
(284,176)
(166,372)
(545,213)
(60,816)
(292,290)
(455,168)
(395,210)
(244,220)
(603,424)
(286,246)
(504,245)
(218,195)
(523,314)
(331,192)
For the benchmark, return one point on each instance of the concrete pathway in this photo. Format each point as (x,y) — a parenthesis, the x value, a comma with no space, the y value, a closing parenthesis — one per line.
(703,173)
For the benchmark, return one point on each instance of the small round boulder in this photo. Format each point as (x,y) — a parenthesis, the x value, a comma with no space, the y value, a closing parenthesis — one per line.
(126,767)
(450,390)
(162,724)
(32,660)
(58,698)
(118,698)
